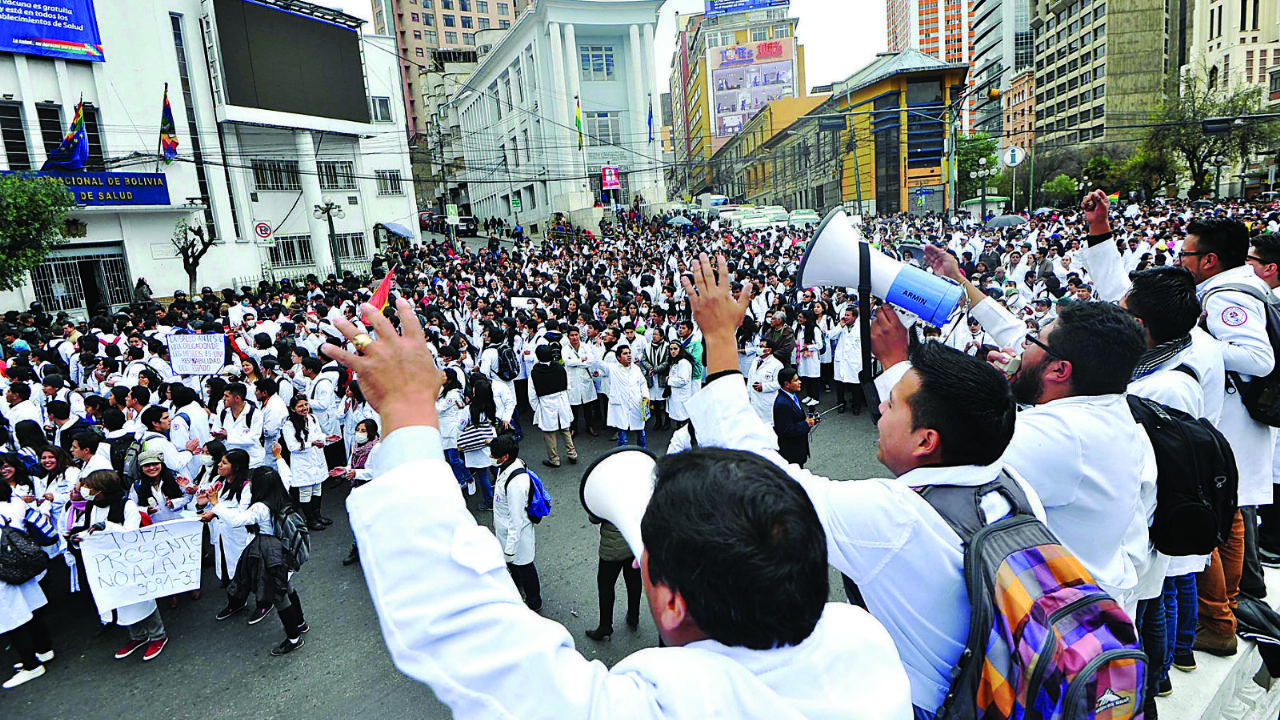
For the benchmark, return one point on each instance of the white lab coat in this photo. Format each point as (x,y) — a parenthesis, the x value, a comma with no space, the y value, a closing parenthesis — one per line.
(228,540)
(306,460)
(449,407)
(437,626)
(18,601)
(680,380)
(808,362)
(848,353)
(244,432)
(511,524)
(627,388)
(186,424)
(578,364)
(551,412)
(765,372)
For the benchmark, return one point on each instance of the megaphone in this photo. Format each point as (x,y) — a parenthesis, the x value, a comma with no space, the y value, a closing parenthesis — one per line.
(832,259)
(617,487)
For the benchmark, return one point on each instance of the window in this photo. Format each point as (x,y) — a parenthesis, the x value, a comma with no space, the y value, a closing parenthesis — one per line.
(519,83)
(337,174)
(596,62)
(504,24)
(291,251)
(482,6)
(350,245)
(464,5)
(418,52)
(603,128)
(50,118)
(389,182)
(431,36)
(468,22)
(468,38)
(417,34)
(15,139)
(781,31)
(450,37)
(450,21)
(759,34)
(484,23)
(429,20)
(275,175)
(503,9)
(446,4)
(427,4)
(381,109)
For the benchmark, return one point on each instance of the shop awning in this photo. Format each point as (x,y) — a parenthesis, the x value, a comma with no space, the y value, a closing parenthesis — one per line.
(397,229)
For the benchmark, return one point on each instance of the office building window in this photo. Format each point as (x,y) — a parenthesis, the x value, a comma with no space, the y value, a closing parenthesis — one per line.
(504,24)
(275,175)
(417,34)
(381,109)
(418,52)
(781,31)
(389,182)
(429,20)
(291,251)
(468,22)
(431,36)
(450,37)
(603,128)
(337,174)
(468,38)
(759,34)
(50,118)
(15,138)
(596,62)
(464,5)
(446,4)
(503,9)
(484,23)
(482,6)
(450,21)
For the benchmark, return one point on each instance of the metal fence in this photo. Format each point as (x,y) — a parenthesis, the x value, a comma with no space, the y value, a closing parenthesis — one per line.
(60,282)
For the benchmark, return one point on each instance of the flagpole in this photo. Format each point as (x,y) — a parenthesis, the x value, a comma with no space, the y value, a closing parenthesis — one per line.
(160,135)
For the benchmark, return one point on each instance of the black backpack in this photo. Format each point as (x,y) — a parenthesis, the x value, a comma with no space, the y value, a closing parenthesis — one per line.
(508,365)
(1197,480)
(124,457)
(1261,395)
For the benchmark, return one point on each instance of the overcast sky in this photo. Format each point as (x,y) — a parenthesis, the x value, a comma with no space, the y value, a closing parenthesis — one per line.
(839,36)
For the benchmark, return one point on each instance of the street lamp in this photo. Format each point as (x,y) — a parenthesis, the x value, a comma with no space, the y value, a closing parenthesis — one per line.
(327,210)
(1218,161)
(982,174)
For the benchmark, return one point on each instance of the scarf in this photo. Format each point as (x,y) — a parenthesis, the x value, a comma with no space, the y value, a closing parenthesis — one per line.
(1159,355)
(549,379)
(360,454)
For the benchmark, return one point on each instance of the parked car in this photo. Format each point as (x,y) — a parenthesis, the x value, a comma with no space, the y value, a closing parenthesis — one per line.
(805,218)
(467,226)
(424,220)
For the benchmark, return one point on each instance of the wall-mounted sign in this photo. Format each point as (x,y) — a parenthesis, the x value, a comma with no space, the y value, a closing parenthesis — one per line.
(113,188)
(723,7)
(65,29)
(771,49)
(609,178)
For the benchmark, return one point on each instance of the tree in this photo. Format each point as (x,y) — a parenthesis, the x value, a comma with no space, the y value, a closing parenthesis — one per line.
(1148,172)
(969,153)
(1061,189)
(32,211)
(1181,134)
(192,244)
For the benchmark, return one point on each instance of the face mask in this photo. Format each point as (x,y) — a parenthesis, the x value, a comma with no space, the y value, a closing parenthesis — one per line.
(362,437)
(206,460)
(87,494)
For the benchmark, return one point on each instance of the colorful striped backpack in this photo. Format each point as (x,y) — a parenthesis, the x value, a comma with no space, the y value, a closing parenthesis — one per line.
(1044,640)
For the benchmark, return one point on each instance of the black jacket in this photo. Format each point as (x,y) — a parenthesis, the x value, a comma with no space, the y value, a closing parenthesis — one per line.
(74,427)
(793,432)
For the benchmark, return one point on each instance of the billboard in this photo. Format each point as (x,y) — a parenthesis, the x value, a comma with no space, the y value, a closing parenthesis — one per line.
(273,59)
(747,77)
(65,29)
(724,7)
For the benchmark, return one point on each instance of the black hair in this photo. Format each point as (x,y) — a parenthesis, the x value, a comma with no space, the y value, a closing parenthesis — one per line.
(20,474)
(238,389)
(267,386)
(482,403)
(87,440)
(505,445)
(267,487)
(742,544)
(1225,237)
(1102,343)
(965,400)
(1164,299)
(152,415)
(58,409)
(22,390)
(239,460)
(786,375)
(29,434)
(181,395)
(1267,248)
(297,420)
(112,419)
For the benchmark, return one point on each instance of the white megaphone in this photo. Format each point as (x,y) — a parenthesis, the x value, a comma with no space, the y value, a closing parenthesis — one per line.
(617,487)
(832,259)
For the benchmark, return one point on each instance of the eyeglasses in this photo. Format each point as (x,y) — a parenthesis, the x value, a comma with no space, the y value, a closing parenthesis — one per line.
(1190,253)
(1033,340)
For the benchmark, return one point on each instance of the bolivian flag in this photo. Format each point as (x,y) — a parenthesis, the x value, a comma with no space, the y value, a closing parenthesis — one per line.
(578,119)
(379,299)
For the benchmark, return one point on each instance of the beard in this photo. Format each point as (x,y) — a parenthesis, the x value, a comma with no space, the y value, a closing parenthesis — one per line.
(1028,384)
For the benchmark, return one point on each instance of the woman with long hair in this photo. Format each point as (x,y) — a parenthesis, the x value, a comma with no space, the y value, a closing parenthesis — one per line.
(215,386)
(356,471)
(809,343)
(262,570)
(484,411)
(28,438)
(232,471)
(60,476)
(355,409)
(680,381)
(22,624)
(305,440)
(252,373)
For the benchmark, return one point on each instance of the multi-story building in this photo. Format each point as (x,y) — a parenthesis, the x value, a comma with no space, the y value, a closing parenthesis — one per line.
(521,159)
(681,67)
(258,149)
(943,29)
(745,170)
(1003,46)
(1239,36)
(1101,64)
(729,63)
(422,26)
(1020,110)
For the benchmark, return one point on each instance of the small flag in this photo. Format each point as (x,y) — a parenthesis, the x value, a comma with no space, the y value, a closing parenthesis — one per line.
(379,299)
(168,132)
(650,118)
(578,120)
(72,154)
(1114,197)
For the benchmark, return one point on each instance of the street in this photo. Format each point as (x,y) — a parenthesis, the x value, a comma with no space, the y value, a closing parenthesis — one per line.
(213,670)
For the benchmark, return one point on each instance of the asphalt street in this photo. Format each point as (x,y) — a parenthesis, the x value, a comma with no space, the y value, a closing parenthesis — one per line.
(212,670)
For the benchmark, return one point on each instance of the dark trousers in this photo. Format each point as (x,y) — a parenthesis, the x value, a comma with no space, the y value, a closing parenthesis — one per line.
(1151,632)
(291,616)
(1251,582)
(522,395)
(607,578)
(850,393)
(812,387)
(1180,612)
(335,454)
(526,580)
(29,639)
(586,415)
(1269,530)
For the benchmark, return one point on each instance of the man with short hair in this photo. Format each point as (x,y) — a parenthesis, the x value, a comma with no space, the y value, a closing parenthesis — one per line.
(84,448)
(156,438)
(19,406)
(67,426)
(790,421)
(239,425)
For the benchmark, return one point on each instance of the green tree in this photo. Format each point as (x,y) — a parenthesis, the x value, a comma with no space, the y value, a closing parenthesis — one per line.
(969,154)
(1148,172)
(1060,190)
(192,244)
(1180,133)
(32,210)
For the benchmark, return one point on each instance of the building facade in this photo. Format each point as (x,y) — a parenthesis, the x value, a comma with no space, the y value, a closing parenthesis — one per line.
(517,114)
(252,160)
(1235,43)
(1003,46)
(1020,110)
(943,29)
(420,27)
(745,166)
(1103,63)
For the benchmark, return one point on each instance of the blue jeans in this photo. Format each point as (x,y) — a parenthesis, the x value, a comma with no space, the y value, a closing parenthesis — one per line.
(1180,610)
(1151,632)
(483,476)
(459,468)
(623,435)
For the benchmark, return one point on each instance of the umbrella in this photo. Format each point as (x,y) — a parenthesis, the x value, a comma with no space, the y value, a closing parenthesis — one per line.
(1007,221)
(1045,211)
(678,220)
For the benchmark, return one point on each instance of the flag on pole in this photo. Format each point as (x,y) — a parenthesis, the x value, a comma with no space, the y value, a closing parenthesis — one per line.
(578,119)
(168,131)
(650,118)
(379,299)
(1114,197)
(73,153)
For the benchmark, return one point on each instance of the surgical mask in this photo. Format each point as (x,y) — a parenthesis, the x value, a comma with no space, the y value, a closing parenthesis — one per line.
(206,460)
(362,437)
(87,494)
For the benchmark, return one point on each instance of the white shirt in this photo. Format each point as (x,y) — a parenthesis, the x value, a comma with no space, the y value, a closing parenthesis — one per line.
(244,432)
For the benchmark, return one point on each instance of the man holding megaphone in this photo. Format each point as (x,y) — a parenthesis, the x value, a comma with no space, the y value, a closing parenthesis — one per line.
(732,559)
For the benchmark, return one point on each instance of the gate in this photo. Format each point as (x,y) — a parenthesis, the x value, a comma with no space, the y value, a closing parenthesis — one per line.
(73,280)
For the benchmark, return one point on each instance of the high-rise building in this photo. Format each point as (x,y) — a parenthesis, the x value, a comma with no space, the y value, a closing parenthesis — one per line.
(728,64)
(421,26)
(1020,110)
(1003,46)
(1102,64)
(1239,36)
(939,28)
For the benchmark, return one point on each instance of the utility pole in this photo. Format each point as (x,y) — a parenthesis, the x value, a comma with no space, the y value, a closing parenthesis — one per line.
(328,209)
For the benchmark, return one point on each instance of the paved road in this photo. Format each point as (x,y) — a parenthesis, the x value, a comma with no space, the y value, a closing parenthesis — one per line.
(212,670)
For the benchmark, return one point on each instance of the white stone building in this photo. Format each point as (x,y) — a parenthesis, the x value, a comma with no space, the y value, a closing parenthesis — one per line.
(517,112)
(252,160)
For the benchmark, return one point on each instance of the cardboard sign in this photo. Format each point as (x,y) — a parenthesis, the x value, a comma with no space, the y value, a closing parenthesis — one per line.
(136,565)
(197,354)
(528,303)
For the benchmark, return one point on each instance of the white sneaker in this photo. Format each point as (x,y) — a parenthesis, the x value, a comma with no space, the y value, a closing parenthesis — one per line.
(44,657)
(471,487)
(23,676)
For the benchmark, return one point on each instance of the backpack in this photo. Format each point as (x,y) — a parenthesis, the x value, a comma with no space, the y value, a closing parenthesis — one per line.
(508,365)
(293,533)
(1261,395)
(1196,483)
(21,557)
(539,504)
(1044,640)
(124,457)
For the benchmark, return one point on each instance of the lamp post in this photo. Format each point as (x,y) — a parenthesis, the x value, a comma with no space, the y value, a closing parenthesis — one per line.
(1218,162)
(327,210)
(982,175)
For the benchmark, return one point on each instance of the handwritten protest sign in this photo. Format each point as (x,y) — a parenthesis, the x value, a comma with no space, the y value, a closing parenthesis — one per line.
(197,354)
(136,565)
(528,303)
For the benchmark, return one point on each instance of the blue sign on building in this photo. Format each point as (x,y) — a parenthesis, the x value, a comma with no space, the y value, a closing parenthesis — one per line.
(724,7)
(67,29)
(114,188)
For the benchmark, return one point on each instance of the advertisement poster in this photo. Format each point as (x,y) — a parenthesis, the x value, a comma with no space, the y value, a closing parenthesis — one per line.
(66,29)
(724,7)
(745,78)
